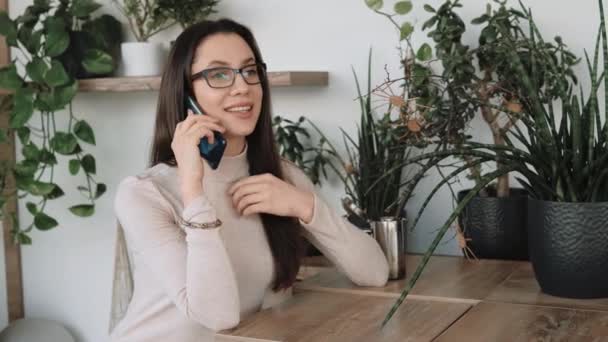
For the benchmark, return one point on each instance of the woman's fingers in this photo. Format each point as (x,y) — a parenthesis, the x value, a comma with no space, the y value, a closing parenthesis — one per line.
(192,119)
(205,129)
(246,190)
(205,132)
(248,201)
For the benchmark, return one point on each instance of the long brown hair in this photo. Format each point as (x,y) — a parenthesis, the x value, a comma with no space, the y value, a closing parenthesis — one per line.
(282,233)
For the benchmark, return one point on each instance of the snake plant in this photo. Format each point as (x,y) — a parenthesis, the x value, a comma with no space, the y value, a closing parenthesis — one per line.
(560,146)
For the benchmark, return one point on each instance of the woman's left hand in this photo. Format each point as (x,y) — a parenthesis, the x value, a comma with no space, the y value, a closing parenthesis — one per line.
(268,194)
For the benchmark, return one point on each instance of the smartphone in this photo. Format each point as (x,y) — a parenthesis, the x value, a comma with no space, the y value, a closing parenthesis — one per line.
(212,153)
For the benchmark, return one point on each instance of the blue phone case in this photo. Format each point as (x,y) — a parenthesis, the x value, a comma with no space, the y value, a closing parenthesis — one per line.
(212,153)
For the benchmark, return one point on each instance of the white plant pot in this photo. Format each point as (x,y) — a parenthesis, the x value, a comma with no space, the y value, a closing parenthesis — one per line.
(142,59)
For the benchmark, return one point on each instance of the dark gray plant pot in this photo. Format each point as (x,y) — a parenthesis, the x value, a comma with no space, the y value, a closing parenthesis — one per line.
(569,247)
(496,226)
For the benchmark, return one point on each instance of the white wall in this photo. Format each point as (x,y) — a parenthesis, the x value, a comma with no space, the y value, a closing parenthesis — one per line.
(68,271)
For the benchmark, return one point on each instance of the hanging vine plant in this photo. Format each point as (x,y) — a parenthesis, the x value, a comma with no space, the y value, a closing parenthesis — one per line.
(39,83)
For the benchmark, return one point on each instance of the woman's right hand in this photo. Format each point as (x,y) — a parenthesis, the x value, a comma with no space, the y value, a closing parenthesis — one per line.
(186,138)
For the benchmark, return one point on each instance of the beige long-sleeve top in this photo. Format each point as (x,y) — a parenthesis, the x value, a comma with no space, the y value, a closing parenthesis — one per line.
(190,283)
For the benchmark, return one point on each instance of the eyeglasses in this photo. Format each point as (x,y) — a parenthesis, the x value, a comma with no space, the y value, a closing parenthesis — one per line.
(223,77)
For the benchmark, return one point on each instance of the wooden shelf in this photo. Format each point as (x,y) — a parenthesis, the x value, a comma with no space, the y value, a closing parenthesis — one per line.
(127,84)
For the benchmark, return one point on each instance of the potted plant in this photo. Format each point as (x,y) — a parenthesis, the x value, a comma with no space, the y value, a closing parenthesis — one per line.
(295,144)
(372,154)
(431,112)
(93,43)
(494,222)
(45,87)
(562,161)
(143,57)
(186,12)
(475,80)
(368,173)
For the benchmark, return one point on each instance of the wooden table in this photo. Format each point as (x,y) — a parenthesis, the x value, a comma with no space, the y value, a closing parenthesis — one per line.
(448,278)
(454,300)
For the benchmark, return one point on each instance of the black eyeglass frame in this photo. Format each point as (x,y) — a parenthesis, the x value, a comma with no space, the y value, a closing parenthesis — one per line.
(261,66)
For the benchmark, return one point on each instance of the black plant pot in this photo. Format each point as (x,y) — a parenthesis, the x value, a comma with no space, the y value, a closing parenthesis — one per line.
(569,247)
(496,226)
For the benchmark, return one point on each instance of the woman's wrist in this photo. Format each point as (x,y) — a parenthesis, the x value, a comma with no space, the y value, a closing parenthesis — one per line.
(306,209)
(190,192)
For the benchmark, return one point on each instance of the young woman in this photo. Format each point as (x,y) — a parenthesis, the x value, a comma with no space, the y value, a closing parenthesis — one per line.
(211,246)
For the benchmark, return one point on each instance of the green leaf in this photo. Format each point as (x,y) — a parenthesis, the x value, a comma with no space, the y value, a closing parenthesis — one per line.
(24,33)
(101,189)
(83,8)
(29,18)
(44,222)
(84,132)
(58,98)
(23,182)
(88,164)
(488,35)
(45,101)
(64,143)
(9,78)
(97,62)
(36,69)
(374,4)
(65,94)
(22,238)
(23,108)
(429,8)
(38,188)
(31,207)
(26,168)
(74,166)
(26,24)
(34,42)
(480,20)
(83,210)
(42,6)
(56,76)
(56,193)
(47,157)
(8,28)
(406,30)
(429,23)
(105,30)
(3,136)
(425,52)
(420,74)
(403,7)
(57,38)
(24,134)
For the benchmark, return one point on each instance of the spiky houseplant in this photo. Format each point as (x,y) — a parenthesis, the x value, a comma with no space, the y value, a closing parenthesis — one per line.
(370,155)
(41,85)
(144,17)
(295,144)
(562,159)
(186,12)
